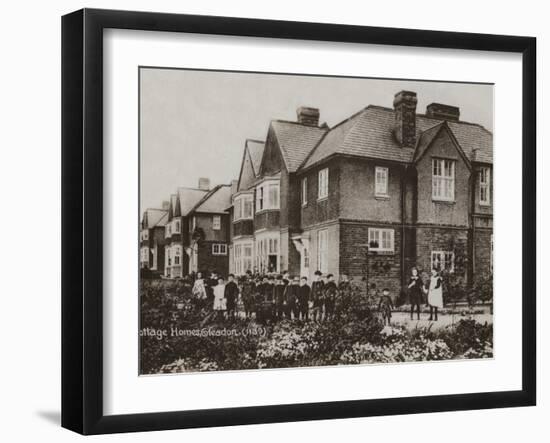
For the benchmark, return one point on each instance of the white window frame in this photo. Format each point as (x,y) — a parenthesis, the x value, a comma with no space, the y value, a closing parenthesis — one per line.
(267,244)
(219,249)
(176,228)
(443,184)
(385,237)
(322,250)
(485,186)
(239,207)
(177,255)
(144,254)
(322,191)
(443,259)
(243,257)
(268,196)
(381,187)
(216,222)
(304,191)
(168,230)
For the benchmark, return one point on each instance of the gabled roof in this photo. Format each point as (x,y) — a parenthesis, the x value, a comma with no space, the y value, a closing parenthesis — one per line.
(188,198)
(155,217)
(296,141)
(256,151)
(216,201)
(250,164)
(369,133)
(425,139)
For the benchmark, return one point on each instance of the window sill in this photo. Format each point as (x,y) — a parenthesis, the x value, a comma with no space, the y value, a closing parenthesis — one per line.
(485,205)
(267,210)
(322,199)
(445,202)
(381,196)
(381,252)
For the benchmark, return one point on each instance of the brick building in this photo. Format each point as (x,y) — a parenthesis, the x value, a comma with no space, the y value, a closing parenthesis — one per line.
(206,240)
(380,192)
(151,239)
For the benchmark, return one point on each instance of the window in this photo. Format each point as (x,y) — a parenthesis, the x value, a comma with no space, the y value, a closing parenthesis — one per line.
(216,222)
(381,240)
(305,253)
(443,179)
(304,191)
(243,258)
(168,230)
(219,249)
(322,250)
(259,199)
(381,181)
(176,229)
(242,207)
(193,224)
(484,186)
(443,260)
(177,255)
(267,252)
(169,256)
(323,184)
(145,255)
(145,234)
(491,257)
(267,196)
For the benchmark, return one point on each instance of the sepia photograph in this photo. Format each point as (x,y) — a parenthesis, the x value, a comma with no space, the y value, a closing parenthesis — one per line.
(294,221)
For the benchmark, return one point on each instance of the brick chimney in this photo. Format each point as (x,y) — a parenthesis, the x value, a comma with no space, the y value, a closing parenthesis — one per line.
(165,205)
(204,184)
(404,104)
(308,116)
(443,112)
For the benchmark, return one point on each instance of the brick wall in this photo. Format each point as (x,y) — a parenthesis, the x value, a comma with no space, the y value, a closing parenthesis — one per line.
(268,219)
(382,269)
(430,239)
(482,252)
(358,199)
(317,211)
(209,262)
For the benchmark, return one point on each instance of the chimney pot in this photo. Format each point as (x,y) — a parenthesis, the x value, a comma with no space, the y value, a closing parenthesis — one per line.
(443,112)
(204,184)
(404,105)
(308,116)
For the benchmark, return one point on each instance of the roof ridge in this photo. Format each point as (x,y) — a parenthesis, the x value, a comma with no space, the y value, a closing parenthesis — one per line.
(328,132)
(456,121)
(205,197)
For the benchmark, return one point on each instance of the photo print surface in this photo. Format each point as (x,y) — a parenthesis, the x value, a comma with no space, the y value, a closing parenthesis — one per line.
(306,220)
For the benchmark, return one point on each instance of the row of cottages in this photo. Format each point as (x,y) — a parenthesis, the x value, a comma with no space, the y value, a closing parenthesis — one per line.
(382,191)
(195,232)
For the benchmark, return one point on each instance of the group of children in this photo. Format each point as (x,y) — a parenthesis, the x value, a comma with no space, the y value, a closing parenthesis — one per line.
(270,298)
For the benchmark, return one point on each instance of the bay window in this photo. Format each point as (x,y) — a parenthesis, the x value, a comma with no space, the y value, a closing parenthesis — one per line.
(242,207)
(267,196)
(484,186)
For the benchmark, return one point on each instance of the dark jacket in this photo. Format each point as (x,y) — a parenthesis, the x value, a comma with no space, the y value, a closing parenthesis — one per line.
(279,291)
(231,294)
(291,294)
(415,291)
(317,289)
(331,292)
(303,296)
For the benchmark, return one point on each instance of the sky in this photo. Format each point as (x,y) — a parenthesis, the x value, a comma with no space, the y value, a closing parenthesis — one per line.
(194,123)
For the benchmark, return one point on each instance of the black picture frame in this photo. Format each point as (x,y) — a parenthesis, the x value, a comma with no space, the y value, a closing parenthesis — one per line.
(82,218)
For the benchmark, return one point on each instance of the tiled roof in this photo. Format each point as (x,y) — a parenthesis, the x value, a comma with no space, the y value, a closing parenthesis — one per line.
(156,217)
(296,141)
(189,197)
(369,134)
(425,139)
(216,201)
(256,151)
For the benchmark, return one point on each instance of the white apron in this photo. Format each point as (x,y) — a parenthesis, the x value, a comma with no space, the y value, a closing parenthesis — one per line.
(435,295)
(219,298)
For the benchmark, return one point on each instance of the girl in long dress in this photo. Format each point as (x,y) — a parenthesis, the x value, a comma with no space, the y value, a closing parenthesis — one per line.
(435,294)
